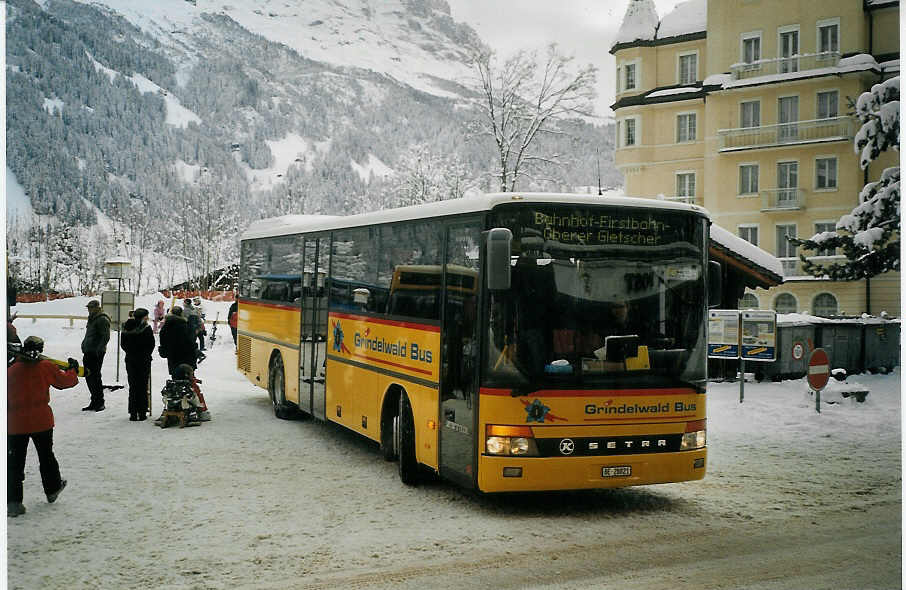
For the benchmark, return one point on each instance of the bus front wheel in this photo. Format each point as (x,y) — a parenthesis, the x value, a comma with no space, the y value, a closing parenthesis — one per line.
(405,435)
(276,387)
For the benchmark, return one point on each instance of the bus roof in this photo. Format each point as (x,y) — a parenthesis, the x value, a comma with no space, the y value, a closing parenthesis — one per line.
(294,224)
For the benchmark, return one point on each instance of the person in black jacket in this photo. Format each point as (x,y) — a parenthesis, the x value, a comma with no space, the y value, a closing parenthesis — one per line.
(94,346)
(137,342)
(177,345)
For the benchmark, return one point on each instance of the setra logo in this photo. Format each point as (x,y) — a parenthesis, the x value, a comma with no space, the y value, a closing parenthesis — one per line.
(567,446)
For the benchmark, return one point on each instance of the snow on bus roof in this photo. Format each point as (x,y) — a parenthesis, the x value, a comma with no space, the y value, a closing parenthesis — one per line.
(292,224)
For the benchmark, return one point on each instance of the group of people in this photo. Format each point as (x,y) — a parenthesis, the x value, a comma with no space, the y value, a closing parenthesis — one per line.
(30,376)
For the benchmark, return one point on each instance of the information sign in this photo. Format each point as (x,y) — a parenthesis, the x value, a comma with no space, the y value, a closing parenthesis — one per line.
(723,333)
(759,335)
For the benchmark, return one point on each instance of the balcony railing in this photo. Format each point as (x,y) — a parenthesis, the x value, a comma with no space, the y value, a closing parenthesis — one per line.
(815,131)
(791,267)
(782,199)
(785,65)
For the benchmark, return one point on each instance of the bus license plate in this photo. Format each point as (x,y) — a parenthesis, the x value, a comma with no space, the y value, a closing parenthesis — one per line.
(622,471)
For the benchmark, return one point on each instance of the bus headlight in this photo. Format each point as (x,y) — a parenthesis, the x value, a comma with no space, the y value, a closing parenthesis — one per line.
(498,445)
(510,441)
(693,440)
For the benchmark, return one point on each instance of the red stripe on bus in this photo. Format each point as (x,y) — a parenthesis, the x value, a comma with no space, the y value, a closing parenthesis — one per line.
(364,318)
(273,305)
(589,392)
(398,366)
(635,418)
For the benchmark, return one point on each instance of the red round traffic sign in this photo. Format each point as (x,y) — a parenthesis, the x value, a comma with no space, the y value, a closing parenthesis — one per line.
(818,369)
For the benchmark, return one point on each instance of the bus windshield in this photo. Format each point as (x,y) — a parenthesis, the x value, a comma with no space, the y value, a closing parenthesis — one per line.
(599,297)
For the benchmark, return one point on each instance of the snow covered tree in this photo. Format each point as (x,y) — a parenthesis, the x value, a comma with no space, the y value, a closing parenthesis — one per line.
(423,176)
(521,99)
(869,236)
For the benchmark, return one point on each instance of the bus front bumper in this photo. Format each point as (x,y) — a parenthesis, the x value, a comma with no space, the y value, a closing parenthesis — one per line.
(525,474)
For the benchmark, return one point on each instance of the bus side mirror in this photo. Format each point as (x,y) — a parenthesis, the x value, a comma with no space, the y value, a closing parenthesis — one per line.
(499,242)
(715,287)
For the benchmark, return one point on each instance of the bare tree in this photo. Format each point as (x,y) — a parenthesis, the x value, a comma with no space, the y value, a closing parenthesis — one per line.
(522,98)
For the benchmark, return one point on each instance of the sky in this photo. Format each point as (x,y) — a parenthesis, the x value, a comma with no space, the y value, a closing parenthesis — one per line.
(583,28)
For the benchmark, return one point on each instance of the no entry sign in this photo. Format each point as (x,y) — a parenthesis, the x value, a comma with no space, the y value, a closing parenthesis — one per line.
(818,369)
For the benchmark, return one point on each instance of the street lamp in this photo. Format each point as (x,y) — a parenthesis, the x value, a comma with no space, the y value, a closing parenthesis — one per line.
(117,268)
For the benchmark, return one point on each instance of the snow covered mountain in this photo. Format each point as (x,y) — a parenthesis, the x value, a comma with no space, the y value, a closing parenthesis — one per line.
(415,42)
(189,119)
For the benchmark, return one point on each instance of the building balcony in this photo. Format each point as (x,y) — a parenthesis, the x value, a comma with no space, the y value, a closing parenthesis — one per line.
(782,199)
(800,132)
(792,267)
(785,65)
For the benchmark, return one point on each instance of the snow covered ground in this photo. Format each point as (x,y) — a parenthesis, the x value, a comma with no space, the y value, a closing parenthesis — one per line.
(792,499)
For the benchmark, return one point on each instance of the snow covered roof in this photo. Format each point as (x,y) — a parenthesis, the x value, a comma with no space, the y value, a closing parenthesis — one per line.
(639,23)
(291,224)
(688,17)
(767,265)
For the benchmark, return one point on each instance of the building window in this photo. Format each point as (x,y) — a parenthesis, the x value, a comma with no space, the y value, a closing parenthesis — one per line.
(619,80)
(787,184)
(826,173)
(822,227)
(824,304)
(750,113)
(749,233)
(787,252)
(685,185)
(789,49)
(785,303)
(827,104)
(688,68)
(788,117)
(751,48)
(685,127)
(748,301)
(629,132)
(629,76)
(829,36)
(748,179)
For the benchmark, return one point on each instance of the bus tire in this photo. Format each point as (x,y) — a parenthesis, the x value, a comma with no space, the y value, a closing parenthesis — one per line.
(276,387)
(390,428)
(408,464)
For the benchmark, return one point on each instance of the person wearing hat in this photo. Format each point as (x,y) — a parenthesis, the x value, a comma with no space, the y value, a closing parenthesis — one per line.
(177,345)
(137,341)
(28,416)
(94,347)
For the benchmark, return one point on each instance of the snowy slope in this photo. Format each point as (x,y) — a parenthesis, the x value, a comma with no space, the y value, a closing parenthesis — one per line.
(415,42)
(18,206)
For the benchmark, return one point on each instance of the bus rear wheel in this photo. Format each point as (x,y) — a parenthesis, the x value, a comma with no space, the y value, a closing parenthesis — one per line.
(405,438)
(276,387)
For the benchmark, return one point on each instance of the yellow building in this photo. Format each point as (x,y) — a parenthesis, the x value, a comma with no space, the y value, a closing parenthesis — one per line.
(742,106)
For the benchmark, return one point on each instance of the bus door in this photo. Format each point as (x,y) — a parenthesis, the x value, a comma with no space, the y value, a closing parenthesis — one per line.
(459,356)
(313,334)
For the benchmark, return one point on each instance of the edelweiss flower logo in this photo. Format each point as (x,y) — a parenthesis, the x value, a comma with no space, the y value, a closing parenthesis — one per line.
(536,411)
(338,345)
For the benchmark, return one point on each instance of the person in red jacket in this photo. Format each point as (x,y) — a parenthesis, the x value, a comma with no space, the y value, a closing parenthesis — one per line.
(29,416)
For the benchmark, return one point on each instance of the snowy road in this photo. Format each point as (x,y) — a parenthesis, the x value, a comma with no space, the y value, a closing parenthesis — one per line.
(792,499)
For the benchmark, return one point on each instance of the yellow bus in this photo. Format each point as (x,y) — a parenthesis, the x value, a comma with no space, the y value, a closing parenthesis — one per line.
(510,342)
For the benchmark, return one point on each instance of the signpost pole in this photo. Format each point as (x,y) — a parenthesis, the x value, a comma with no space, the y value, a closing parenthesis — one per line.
(118,289)
(742,377)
